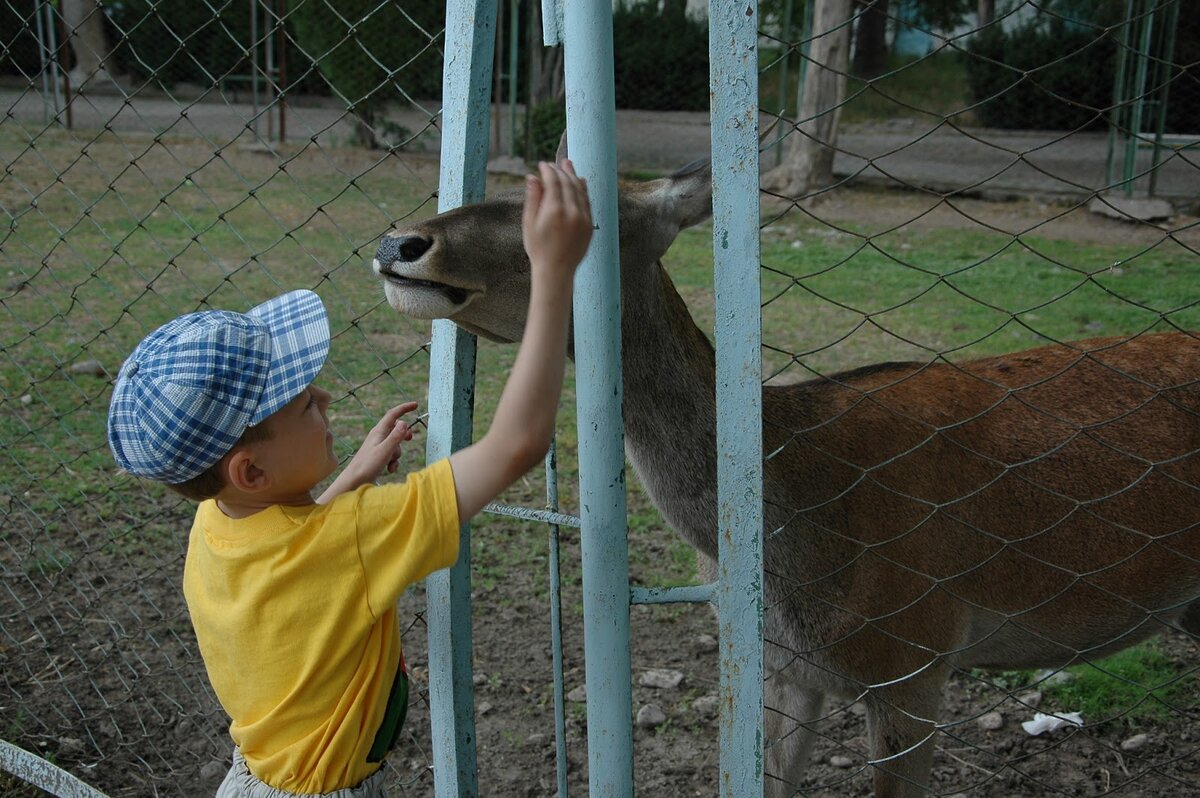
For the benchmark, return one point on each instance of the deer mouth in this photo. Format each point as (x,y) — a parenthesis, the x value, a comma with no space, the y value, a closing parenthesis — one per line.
(426,299)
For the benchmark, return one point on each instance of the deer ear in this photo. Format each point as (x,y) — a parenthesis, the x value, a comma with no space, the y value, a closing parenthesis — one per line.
(690,193)
(561,155)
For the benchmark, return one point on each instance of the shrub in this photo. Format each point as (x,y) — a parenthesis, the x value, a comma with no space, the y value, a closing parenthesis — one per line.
(1042,76)
(547,122)
(660,64)
(18,40)
(172,41)
(370,52)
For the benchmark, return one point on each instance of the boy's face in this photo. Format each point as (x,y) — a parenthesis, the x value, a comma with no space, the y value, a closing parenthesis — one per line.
(299,452)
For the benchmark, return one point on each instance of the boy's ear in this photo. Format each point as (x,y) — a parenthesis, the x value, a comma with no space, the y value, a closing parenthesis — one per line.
(241,473)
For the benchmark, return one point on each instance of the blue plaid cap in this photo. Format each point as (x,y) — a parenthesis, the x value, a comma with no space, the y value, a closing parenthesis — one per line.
(189,390)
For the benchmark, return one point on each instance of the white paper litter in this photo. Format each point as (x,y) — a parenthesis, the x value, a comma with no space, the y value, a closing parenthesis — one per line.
(1047,723)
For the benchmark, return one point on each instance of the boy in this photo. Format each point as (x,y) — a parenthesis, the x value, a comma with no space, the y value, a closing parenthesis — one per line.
(293,599)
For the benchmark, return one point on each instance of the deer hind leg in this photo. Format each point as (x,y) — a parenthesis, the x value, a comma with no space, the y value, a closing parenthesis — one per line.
(901,723)
(1190,620)
(788,707)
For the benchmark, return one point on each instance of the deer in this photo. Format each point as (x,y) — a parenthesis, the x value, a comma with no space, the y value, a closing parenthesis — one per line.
(1027,510)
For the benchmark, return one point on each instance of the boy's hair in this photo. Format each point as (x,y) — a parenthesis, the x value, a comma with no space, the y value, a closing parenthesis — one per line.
(190,390)
(212,481)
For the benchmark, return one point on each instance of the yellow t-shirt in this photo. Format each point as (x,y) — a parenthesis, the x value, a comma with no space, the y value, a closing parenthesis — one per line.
(295,613)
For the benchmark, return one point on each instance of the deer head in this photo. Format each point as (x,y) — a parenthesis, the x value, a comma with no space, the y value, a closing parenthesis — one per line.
(469,264)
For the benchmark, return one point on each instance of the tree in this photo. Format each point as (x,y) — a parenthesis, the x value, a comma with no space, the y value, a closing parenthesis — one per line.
(985,12)
(85,33)
(870,39)
(373,53)
(808,156)
(546,65)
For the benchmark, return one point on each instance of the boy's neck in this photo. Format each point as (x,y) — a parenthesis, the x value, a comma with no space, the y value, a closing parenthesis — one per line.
(244,506)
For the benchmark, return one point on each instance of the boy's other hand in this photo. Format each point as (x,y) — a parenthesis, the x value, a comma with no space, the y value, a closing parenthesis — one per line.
(557,220)
(380,450)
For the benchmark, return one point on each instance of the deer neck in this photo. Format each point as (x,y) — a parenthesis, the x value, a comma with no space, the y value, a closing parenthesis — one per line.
(670,404)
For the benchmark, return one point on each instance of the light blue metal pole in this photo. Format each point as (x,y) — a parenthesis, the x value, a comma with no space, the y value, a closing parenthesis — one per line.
(470,42)
(591,136)
(560,712)
(733,55)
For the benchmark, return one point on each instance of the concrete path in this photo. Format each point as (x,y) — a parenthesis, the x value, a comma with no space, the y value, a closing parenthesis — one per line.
(932,155)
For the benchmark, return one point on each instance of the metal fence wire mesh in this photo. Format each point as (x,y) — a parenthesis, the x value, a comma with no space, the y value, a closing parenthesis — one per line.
(956,181)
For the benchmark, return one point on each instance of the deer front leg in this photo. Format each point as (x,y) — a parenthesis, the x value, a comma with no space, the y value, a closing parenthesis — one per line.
(788,707)
(901,723)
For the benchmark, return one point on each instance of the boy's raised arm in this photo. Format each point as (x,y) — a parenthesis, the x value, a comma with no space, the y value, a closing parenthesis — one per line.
(557,226)
(379,452)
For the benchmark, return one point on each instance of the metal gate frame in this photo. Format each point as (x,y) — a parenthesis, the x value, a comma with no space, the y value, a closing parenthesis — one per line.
(585,28)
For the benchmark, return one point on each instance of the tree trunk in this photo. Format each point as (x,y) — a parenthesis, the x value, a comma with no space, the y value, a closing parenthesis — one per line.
(808,158)
(673,10)
(986,10)
(870,40)
(85,33)
(550,83)
(364,130)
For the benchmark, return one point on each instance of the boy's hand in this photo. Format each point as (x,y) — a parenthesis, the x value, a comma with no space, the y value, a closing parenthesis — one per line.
(557,222)
(380,452)
(381,449)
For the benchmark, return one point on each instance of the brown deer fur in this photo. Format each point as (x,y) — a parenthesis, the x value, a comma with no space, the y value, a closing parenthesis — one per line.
(1028,510)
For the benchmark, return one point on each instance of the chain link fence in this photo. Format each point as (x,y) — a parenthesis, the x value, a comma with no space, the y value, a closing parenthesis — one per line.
(950,539)
(216,160)
(163,157)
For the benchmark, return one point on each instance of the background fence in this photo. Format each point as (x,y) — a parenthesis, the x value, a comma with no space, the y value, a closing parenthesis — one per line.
(209,155)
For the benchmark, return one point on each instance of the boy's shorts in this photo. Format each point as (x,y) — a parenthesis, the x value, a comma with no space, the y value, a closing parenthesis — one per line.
(241,783)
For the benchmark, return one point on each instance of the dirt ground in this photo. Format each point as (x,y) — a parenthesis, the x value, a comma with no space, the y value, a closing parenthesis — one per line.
(150,727)
(133,716)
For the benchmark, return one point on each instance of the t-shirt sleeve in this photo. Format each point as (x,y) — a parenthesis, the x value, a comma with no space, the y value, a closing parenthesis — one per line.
(406,531)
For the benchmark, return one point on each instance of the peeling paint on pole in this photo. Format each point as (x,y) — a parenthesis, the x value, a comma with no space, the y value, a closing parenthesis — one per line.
(733,54)
(591,137)
(470,42)
(42,774)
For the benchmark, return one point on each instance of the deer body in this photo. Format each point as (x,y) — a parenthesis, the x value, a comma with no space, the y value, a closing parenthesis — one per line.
(1019,511)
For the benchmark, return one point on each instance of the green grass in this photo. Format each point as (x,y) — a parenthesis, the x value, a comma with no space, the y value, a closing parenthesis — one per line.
(102,248)
(1137,685)
(1140,683)
(839,299)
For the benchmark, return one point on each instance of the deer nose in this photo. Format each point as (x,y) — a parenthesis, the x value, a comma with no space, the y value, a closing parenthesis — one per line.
(405,249)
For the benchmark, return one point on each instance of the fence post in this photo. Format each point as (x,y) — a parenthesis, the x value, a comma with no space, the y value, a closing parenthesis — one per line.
(733,53)
(591,133)
(471,36)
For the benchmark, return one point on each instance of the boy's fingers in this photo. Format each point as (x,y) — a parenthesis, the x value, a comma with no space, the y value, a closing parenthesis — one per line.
(395,412)
(533,197)
(576,198)
(574,189)
(551,184)
(393,434)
